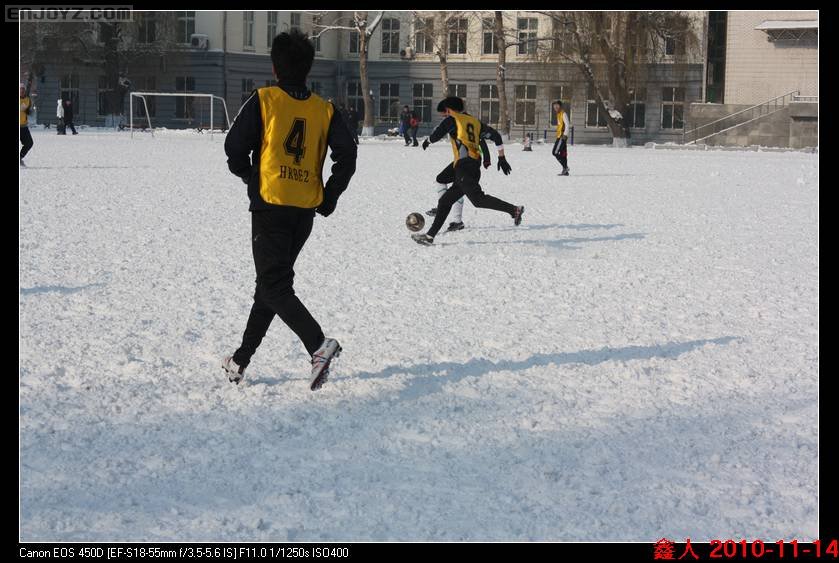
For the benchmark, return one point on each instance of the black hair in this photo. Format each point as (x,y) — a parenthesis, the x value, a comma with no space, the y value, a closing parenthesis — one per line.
(452,102)
(292,54)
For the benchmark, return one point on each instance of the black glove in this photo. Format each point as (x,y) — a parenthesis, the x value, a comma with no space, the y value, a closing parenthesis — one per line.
(487,163)
(327,206)
(425,144)
(504,166)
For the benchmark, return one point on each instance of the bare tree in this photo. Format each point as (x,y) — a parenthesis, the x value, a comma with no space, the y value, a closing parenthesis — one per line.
(500,72)
(431,32)
(622,44)
(359,23)
(113,46)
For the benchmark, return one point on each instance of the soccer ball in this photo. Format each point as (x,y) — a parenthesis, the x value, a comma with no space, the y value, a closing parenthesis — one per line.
(415,222)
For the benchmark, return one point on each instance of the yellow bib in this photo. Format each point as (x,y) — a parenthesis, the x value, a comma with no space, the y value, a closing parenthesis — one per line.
(294,134)
(468,133)
(560,124)
(25,102)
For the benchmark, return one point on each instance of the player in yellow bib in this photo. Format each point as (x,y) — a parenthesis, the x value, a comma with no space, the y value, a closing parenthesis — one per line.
(560,150)
(277,145)
(25,135)
(465,133)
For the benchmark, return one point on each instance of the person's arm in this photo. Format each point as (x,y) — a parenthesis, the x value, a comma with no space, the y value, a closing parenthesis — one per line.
(344,154)
(485,152)
(488,132)
(446,126)
(565,125)
(244,137)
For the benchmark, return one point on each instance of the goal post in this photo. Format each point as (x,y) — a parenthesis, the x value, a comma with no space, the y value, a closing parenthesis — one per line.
(142,97)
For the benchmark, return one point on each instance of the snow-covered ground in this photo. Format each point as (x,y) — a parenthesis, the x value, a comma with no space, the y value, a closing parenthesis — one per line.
(639,359)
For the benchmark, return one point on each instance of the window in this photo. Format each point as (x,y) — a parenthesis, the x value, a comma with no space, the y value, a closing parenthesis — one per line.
(355,97)
(457,35)
(672,108)
(389,101)
(560,93)
(183,104)
(354,42)
(670,46)
(490,106)
(527,32)
(317,20)
(561,37)
(424,35)
(272,29)
(316,87)
(145,84)
(458,90)
(390,36)
(594,116)
(70,89)
(295,21)
(490,45)
(103,96)
(146,28)
(423,94)
(247,30)
(247,88)
(637,108)
(269,83)
(526,105)
(185,26)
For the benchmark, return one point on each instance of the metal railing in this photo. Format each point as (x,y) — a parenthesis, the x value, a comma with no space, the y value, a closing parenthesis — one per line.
(744,116)
(810,99)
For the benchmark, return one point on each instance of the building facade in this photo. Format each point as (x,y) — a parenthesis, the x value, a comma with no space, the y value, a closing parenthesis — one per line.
(227,53)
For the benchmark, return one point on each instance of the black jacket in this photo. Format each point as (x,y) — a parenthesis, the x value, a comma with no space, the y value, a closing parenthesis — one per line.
(244,141)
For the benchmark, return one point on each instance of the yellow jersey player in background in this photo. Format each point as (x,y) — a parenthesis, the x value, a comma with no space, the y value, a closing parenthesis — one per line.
(277,145)
(465,133)
(25,135)
(560,150)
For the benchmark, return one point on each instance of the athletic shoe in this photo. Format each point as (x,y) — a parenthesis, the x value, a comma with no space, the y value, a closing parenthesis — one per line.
(321,360)
(518,214)
(455,226)
(235,372)
(423,239)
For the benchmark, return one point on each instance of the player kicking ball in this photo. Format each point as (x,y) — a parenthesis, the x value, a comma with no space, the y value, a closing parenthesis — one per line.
(465,133)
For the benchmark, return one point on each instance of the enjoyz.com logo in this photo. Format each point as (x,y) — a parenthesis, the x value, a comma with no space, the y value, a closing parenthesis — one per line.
(57,14)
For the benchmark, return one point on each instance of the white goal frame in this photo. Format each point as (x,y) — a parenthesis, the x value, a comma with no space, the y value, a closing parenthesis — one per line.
(142,96)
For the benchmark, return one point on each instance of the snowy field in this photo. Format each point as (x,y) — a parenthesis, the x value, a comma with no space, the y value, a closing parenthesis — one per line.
(639,359)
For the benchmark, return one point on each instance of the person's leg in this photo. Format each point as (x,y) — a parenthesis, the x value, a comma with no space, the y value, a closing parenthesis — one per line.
(414,133)
(26,140)
(556,149)
(563,154)
(278,237)
(457,211)
(407,134)
(72,128)
(444,205)
(443,179)
(467,176)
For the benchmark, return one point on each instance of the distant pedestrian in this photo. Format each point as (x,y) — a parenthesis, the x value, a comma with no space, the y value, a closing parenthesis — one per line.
(68,116)
(59,115)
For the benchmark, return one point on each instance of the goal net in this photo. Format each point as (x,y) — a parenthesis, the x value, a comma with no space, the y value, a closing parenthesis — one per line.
(187,109)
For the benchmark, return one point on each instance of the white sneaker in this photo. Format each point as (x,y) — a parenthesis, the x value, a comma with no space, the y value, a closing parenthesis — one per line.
(321,360)
(235,372)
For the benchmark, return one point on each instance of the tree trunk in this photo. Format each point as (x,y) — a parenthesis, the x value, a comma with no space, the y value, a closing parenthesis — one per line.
(500,79)
(444,74)
(441,42)
(109,34)
(368,130)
